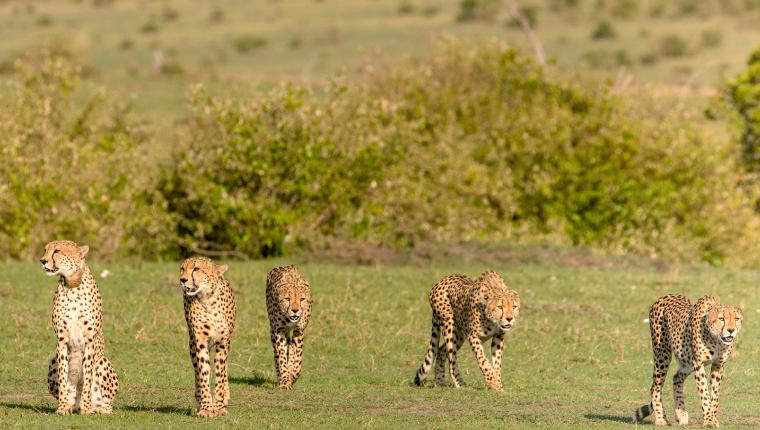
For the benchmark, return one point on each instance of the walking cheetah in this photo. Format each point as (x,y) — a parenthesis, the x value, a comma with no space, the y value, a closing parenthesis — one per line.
(698,335)
(476,310)
(80,377)
(210,315)
(289,309)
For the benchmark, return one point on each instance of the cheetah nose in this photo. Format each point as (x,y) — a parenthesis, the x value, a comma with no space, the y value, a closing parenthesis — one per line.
(183,280)
(731,331)
(510,319)
(43,261)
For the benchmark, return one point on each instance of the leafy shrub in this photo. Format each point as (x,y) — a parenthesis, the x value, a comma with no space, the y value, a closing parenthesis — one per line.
(70,169)
(673,45)
(248,43)
(254,175)
(744,96)
(711,38)
(463,144)
(530,13)
(405,7)
(478,10)
(604,30)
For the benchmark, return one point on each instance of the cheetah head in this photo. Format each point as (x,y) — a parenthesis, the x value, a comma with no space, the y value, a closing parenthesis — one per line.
(64,258)
(292,303)
(724,322)
(499,304)
(502,308)
(200,275)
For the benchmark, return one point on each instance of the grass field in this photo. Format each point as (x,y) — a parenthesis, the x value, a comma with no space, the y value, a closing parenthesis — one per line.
(578,358)
(236,44)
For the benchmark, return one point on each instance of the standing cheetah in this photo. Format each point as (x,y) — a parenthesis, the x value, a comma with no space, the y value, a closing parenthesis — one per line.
(289,309)
(476,310)
(210,316)
(698,335)
(80,377)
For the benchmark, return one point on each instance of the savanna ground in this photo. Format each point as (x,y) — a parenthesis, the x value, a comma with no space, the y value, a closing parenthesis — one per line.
(579,356)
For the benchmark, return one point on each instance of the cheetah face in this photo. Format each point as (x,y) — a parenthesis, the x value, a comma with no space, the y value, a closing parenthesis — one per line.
(63,257)
(292,303)
(502,309)
(199,275)
(725,322)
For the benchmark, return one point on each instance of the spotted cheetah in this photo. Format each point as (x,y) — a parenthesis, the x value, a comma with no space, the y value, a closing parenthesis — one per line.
(698,335)
(289,308)
(80,377)
(210,315)
(476,310)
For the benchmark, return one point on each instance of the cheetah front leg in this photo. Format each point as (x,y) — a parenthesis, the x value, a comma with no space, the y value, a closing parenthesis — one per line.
(497,348)
(295,349)
(62,359)
(716,377)
(280,346)
(85,404)
(704,396)
(204,401)
(222,390)
(485,366)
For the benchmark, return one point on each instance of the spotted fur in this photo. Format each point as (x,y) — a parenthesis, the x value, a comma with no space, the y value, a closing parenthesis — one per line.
(288,298)
(80,377)
(476,310)
(210,316)
(697,335)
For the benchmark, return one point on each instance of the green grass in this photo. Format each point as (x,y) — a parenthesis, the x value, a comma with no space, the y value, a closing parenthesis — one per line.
(578,358)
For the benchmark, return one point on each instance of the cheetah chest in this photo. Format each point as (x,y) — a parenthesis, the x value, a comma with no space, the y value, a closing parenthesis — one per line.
(74,317)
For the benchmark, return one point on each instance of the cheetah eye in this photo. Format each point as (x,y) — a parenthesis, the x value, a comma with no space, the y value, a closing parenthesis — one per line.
(195,269)
(721,319)
(515,307)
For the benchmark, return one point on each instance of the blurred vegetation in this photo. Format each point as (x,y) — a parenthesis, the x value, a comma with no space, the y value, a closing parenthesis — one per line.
(70,166)
(744,97)
(462,144)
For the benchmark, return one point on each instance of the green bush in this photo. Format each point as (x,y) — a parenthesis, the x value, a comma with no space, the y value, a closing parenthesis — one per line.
(744,97)
(604,30)
(478,10)
(463,144)
(673,45)
(257,175)
(70,168)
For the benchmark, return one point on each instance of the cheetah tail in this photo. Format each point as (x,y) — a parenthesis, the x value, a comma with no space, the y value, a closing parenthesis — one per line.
(642,413)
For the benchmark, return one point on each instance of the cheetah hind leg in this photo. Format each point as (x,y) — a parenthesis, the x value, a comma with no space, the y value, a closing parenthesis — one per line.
(73,390)
(105,386)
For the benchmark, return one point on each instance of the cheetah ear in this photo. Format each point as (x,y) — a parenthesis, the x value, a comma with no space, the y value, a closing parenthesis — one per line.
(221,268)
(83,250)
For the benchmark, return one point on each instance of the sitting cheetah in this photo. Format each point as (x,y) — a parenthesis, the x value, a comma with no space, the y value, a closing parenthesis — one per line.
(476,310)
(80,376)
(289,309)
(210,315)
(698,335)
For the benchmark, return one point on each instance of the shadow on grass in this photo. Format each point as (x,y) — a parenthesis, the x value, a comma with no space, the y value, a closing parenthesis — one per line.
(42,409)
(161,409)
(616,418)
(255,379)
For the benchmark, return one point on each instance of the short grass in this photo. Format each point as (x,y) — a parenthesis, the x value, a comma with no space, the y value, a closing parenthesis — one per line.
(578,358)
